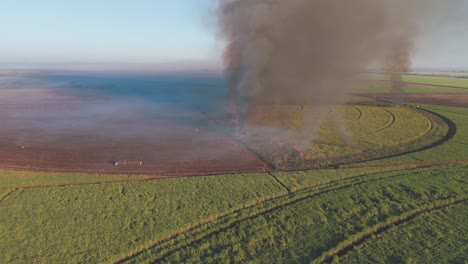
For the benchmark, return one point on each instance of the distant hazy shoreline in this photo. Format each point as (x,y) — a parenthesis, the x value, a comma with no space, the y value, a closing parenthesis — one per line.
(19,72)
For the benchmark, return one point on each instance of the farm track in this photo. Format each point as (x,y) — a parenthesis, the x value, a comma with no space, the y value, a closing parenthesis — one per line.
(226,221)
(346,246)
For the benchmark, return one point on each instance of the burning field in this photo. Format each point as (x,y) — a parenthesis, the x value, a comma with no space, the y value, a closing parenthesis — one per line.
(288,71)
(347,134)
(88,130)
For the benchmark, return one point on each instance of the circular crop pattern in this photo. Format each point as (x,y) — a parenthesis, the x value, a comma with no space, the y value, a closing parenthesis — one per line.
(319,137)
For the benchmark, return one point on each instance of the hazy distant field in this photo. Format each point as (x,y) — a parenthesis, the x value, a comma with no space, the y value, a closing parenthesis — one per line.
(405,209)
(379,83)
(431,80)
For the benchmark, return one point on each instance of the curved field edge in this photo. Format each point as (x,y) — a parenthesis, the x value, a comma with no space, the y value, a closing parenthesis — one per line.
(190,242)
(453,149)
(438,130)
(5,192)
(440,235)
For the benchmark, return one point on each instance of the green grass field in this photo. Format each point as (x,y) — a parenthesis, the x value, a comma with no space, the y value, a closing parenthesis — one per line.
(432,80)
(438,235)
(415,84)
(318,222)
(403,209)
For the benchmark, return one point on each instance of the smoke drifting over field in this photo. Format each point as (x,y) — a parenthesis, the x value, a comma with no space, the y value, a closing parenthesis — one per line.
(306,51)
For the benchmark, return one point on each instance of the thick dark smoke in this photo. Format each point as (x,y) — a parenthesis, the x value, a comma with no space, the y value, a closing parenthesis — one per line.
(306,51)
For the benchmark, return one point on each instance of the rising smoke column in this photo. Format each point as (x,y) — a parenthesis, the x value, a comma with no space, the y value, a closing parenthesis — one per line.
(307,51)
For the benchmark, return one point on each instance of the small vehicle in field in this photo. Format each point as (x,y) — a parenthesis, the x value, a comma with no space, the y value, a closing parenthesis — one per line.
(127,163)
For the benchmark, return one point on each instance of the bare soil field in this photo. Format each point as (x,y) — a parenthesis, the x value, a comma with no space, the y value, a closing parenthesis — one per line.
(55,133)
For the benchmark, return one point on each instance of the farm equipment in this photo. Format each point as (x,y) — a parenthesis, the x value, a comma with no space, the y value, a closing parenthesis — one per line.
(127,163)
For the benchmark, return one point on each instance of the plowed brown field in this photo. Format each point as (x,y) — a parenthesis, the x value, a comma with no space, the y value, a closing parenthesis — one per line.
(50,135)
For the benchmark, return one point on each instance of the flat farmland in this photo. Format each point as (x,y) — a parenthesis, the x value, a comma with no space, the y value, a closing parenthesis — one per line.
(398,195)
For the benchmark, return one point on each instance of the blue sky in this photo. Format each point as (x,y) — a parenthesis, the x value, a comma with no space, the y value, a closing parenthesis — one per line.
(109,32)
(124,31)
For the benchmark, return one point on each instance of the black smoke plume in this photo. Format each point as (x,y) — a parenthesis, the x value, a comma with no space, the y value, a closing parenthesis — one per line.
(307,51)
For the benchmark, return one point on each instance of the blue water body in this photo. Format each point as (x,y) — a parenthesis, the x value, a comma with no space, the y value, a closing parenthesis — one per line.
(201,92)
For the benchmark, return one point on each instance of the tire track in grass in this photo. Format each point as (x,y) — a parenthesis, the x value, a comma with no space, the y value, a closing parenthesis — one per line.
(8,194)
(390,123)
(279,182)
(349,244)
(224,222)
(359,116)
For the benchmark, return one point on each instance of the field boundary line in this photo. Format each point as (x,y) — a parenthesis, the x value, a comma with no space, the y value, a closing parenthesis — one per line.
(204,230)
(424,164)
(8,194)
(349,244)
(279,182)
(78,184)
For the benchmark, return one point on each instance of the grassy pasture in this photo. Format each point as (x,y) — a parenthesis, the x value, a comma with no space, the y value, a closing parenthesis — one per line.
(312,225)
(434,237)
(98,222)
